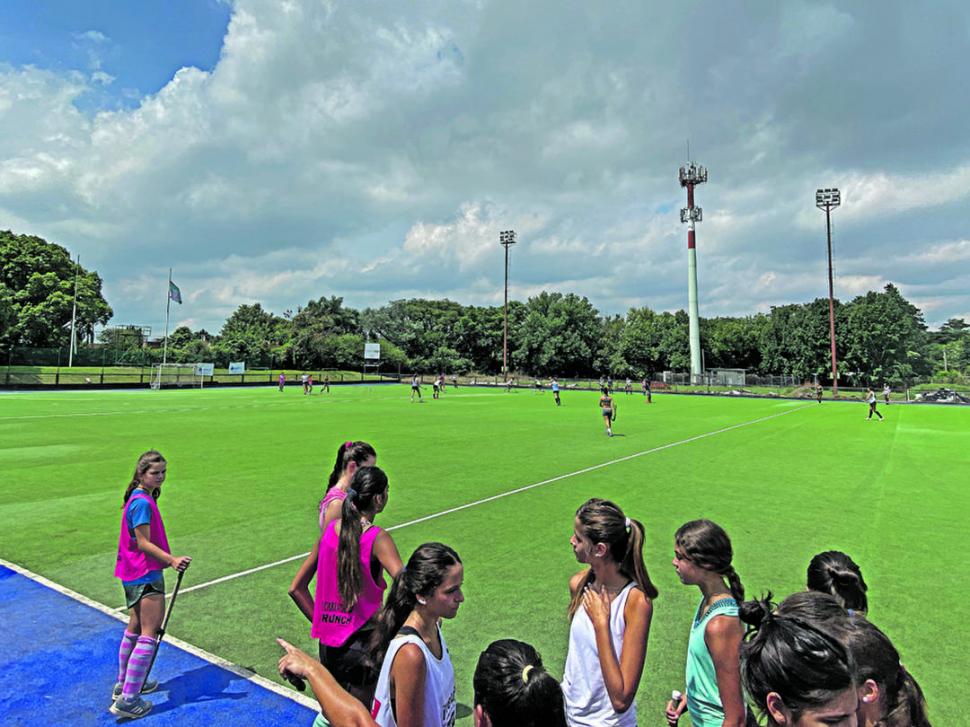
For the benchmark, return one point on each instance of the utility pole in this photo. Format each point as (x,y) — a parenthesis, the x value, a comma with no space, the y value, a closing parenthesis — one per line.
(829,199)
(690,176)
(505,239)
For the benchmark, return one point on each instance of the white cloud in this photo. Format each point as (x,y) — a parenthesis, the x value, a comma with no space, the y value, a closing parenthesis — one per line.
(376,153)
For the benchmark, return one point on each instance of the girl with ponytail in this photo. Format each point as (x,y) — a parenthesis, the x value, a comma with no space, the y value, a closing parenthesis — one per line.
(702,558)
(143,553)
(889,696)
(610,610)
(416,685)
(353,554)
(350,456)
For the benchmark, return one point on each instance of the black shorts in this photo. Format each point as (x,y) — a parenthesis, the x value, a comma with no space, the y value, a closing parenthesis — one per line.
(350,663)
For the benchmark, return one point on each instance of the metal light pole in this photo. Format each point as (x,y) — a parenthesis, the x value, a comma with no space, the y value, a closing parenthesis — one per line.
(690,176)
(829,199)
(70,355)
(506,238)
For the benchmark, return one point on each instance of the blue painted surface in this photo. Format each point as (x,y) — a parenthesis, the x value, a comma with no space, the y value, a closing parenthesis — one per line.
(59,659)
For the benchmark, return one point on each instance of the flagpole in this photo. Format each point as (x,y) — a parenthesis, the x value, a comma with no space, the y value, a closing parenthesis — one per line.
(70,354)
(168,306)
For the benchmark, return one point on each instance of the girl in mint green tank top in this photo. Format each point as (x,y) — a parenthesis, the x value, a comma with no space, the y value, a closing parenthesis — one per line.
(702,558)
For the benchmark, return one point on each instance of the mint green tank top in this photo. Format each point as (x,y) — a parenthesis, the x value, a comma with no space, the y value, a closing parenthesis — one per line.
(703,699)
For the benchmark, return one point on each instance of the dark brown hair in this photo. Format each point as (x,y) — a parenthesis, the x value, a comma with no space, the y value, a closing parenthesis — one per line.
(603,521)
(144,463)
(707,545)
(367,484)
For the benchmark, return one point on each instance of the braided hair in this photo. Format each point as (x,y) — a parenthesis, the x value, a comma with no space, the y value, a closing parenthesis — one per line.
(707,545)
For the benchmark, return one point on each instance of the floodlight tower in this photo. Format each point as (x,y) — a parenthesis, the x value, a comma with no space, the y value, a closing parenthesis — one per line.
(690,176)
(505,239)
(828,200)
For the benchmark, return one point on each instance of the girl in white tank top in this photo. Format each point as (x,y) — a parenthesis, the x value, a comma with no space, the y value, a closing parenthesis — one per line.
(611,609)
(439,683)
(416,686)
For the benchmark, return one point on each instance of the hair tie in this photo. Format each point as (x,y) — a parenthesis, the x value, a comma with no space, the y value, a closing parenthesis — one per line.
(351,494)
(525,673)
(628,524)
(348,445)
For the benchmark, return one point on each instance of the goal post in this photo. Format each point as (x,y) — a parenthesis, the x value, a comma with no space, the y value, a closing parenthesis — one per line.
(169,375)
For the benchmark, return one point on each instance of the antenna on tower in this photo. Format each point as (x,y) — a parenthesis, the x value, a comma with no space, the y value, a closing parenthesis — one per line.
(688,150)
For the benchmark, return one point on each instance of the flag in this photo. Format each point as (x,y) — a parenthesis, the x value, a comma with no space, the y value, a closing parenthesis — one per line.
(174,293)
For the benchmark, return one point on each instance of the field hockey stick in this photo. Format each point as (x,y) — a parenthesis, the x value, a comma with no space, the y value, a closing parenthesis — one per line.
(161,632)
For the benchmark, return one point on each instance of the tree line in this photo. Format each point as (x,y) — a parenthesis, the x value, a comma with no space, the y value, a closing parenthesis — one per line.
(880,335)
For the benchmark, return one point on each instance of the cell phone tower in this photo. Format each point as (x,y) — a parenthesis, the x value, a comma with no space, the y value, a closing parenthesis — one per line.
(691,175)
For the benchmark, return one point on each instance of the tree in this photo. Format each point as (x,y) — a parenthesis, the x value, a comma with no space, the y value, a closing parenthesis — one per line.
(419,328)
(796,339)
(316,322)
(885,337)
(37,293)
(640,341)
(558,334)
(250,334)
(733,342)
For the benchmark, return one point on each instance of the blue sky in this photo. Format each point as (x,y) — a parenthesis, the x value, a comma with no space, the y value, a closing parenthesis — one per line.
(279,151)
(139,44)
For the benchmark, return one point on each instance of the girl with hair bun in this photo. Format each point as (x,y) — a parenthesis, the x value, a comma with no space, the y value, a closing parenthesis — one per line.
(795,673)
(610,612)
(416,685)
(353,553)
(702,558)
(512,688)
(835,573)
(889,696)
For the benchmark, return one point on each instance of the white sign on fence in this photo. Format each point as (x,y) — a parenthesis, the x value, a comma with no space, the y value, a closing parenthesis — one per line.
(372,351)
(204,369)
(237,367)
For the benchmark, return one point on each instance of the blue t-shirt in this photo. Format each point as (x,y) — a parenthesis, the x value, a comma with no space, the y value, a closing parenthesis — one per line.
(140,513)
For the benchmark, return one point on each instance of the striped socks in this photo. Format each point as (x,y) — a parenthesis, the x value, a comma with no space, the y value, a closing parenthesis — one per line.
(137,669)
(124,651)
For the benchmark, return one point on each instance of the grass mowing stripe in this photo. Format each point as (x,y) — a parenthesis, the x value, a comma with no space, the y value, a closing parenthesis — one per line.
(499,496)
(184,645)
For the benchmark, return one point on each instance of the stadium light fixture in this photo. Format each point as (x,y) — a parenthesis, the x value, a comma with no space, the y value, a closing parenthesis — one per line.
(828,199)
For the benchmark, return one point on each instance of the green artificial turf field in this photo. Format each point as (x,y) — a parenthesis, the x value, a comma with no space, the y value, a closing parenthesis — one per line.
(247,467)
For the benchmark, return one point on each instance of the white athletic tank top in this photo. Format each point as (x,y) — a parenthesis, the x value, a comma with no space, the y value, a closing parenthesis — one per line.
(587,702)
(439,687)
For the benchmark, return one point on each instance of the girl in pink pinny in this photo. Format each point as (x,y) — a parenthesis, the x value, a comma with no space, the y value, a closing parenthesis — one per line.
(143,553)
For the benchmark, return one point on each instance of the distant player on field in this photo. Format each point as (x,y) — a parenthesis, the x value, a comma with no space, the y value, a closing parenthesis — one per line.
(871,400)
(436,387)
(629,386)
(415,387)
(326,385)
(886,391)
(608,410)
(818,392)
(282,380)
(554,384)
(646,389)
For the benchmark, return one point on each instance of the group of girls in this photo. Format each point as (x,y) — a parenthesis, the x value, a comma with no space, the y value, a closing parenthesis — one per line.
(813,660)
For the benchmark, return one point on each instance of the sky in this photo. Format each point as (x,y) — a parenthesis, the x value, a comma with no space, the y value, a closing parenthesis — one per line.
(277,151)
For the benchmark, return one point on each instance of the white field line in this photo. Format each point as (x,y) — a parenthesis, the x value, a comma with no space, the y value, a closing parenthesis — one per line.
(184,645)
(516,491)
(255,404)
